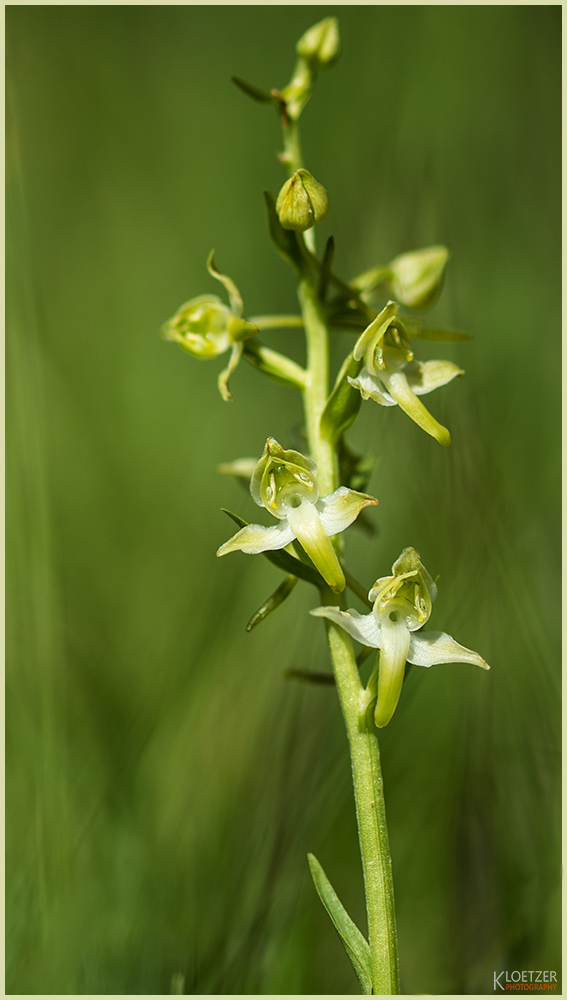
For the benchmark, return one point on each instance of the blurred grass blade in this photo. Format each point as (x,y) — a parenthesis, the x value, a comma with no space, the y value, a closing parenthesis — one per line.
(310,677)
(283,560)
(177,984)
(279,595)
(355,943)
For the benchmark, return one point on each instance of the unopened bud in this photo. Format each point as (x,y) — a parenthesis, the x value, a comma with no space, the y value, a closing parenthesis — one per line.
(302,202)
(416,278)
(321,43)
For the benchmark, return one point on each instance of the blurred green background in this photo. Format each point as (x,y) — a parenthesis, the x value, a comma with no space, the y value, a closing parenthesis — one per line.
(165,780)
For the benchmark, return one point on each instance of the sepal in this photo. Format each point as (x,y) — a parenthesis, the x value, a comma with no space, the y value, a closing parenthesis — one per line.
(284,560)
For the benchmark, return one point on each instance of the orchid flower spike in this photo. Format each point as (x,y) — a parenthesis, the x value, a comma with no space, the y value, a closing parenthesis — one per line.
(402,605)
(205,327)
(390,375)
(285,483)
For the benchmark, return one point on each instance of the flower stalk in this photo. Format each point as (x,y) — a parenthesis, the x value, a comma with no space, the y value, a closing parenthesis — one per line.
(315,497)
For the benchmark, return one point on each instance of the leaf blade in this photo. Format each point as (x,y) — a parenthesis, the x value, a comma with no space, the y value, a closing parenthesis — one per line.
(355,944)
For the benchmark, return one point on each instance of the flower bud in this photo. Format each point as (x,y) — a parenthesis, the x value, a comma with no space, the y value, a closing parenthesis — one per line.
(281,476)
(416,278)
(205,327)
(320,44)
(302,202)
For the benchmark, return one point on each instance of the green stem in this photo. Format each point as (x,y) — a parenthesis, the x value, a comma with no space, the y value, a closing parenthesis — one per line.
(317,384)
(365,755)
(276,322)
(293,159)
(370,814)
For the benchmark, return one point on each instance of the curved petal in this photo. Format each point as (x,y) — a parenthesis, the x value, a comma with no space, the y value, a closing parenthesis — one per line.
(308,528)
(363,628)
(428,648)
(424,376)
(234,295)
(341,508)
(227,372)
(255,538)
(370,387)
(395,645)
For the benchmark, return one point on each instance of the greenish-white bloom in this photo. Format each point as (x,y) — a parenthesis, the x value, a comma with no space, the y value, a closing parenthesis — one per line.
(401,606)
(302,202)
(206,327)
(285,483)
(390,375)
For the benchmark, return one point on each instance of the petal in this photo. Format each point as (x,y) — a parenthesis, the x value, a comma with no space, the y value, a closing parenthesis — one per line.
(227,372)
(424,376)
(363,628)
(308,529)
(370,387)
(341,508)
(374,333)
(393,654)
(233,293)
(427,648)
(398,387)
(255,538)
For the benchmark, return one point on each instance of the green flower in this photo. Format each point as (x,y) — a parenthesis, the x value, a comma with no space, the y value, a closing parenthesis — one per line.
(416,278)
(390,375)
(285,483)
(206,327)
(402,605)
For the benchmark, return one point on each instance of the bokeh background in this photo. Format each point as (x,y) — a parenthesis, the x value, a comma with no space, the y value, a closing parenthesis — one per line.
(165,780)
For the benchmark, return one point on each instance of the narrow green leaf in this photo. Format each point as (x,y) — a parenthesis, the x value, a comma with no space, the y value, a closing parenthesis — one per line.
(283,239)
(436,333)
(344,402)
(326,265)
(356,945)
(310,677)
(262,96)
(279,595)
(283,560)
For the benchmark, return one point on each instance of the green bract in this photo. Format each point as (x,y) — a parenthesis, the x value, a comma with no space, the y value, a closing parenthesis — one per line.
(390,375)
(401,605)
(302,202)
(206,327)
(285,483)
